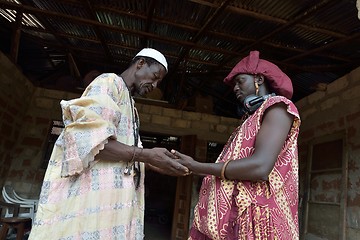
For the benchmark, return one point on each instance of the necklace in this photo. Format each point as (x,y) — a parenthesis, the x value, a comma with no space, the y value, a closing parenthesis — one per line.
(131,166)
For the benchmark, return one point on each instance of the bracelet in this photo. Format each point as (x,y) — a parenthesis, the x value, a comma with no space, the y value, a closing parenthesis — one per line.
(141,150)
(130,163)
(222,175)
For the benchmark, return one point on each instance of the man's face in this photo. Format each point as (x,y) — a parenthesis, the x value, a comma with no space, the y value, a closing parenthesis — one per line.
(244,86)
(148,77)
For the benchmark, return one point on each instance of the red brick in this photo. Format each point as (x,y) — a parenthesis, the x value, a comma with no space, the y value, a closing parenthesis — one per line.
(327,125)
(3,101)
(18,150)
(341,122)
(13,110)
(30,175)
(4,171)
(16,134)
(6,130)
(39,176)
(307,134)
(26,163)
(323,197)
(354,201)
(351,132)
(28,119)
(352,166)
(9,144)
(7,117)
(314,184)
(40,120)
(353,117)
(44,132)
(30,141)
(18,103)
(333,184)
(16,174)
(355,147)
(7,161)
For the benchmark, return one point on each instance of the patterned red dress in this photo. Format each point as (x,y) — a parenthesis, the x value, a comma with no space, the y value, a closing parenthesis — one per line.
(252,209)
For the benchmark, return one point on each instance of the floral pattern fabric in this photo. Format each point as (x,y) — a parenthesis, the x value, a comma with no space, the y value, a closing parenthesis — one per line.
(83,198)
(252,209)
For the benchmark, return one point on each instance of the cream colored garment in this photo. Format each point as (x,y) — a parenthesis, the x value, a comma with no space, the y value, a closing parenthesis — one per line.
(86,199)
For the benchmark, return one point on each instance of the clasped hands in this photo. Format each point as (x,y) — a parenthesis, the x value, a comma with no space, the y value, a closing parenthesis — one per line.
(173,163)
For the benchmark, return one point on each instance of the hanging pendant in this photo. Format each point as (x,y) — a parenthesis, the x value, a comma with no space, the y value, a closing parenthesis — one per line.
(127,171)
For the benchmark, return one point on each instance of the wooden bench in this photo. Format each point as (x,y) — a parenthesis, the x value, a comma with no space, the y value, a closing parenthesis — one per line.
(13,222)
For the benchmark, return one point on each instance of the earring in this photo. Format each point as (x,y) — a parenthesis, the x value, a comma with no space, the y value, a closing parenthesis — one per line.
(257,88)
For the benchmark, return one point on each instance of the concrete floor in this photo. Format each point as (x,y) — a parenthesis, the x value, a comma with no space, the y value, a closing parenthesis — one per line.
(155,231)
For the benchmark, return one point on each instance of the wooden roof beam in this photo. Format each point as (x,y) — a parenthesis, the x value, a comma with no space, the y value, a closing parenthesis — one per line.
(233,37)
(77,20)
(26,5)
(150,14)
(299,18)
(15,40)
(329,45)
(312,10)
(97,30)
(194,39)
(265,17)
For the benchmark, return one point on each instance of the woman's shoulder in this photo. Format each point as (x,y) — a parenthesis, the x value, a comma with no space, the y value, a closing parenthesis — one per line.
(290,106)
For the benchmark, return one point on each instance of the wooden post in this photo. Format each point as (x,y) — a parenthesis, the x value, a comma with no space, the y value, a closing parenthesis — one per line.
(180,224)
(15,40)
(73,67)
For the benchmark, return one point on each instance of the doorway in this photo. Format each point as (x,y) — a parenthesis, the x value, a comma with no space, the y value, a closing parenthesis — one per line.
(160,191)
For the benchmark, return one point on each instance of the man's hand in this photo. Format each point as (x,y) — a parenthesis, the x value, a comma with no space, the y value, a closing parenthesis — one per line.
(164,162)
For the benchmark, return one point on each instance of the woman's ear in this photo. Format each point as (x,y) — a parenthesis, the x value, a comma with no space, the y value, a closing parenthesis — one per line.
(259,79)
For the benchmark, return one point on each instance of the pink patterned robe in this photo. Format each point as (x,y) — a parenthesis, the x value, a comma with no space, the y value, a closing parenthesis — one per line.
(252,209)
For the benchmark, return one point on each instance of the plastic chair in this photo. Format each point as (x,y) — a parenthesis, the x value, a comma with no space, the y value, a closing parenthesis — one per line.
(27,209)
(27,200)
(14,222)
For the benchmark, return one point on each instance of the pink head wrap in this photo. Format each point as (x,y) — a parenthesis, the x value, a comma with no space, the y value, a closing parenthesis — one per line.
(277,80)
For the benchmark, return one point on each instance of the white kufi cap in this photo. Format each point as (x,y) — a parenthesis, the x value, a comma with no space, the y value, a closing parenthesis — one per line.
(155,54)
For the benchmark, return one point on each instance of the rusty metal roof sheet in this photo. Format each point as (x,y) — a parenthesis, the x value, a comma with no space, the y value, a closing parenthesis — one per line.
(314,42)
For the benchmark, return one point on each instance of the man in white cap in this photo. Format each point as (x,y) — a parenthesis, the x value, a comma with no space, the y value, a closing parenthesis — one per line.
(94,184)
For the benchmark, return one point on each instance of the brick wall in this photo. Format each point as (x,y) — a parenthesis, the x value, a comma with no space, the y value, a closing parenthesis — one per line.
(324,114)
(15,94)
(25,173)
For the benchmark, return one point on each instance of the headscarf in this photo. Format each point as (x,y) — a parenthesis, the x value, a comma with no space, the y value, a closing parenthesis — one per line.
(276,79)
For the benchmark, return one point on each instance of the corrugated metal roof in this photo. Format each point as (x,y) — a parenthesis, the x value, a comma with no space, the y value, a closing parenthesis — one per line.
(312,41)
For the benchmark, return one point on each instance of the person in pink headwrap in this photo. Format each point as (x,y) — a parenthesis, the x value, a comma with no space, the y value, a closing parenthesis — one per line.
(251,191)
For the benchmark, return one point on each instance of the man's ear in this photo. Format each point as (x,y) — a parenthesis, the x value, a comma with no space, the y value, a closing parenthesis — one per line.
(140,62)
